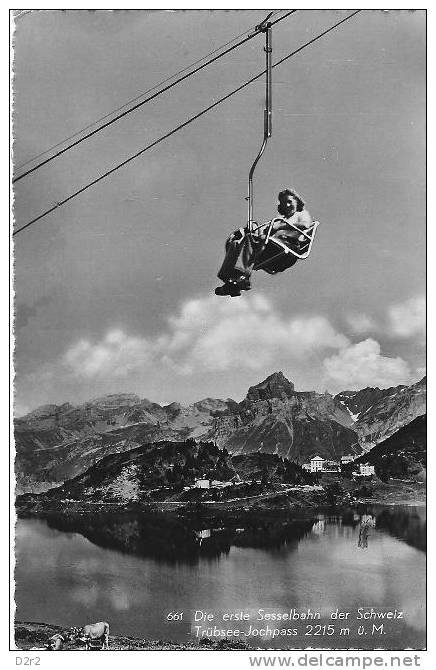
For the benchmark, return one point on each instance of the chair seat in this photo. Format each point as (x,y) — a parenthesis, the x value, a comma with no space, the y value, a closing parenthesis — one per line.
(274,258)
(277,255)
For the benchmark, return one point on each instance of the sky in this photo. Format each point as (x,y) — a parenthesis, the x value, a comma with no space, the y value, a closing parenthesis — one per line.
(114,291)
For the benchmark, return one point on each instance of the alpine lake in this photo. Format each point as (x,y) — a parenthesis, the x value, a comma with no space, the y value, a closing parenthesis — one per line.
(338,579)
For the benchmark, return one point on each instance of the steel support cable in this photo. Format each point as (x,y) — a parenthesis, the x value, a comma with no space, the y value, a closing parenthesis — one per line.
(143,102)
(132,100)
(182,125)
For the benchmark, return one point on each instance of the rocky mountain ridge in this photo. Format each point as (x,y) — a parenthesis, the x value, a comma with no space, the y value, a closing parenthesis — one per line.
(403,454)
(378,413)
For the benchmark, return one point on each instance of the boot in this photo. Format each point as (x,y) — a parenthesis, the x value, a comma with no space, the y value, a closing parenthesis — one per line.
(230,288)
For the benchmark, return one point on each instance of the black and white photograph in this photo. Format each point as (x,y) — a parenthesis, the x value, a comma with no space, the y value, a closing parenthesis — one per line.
(218,260)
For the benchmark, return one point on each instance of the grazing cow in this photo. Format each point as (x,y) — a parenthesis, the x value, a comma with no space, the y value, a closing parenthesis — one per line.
(91,633)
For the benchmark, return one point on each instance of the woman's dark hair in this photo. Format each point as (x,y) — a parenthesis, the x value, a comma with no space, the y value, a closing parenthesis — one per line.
(284,194)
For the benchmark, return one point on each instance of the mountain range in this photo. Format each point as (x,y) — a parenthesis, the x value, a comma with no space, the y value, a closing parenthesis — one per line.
(58,442)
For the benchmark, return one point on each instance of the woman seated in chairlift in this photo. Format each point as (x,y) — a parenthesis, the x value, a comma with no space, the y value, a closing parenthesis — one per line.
(241,248)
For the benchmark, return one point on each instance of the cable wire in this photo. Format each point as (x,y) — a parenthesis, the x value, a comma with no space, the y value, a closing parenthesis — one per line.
(132,100)
(139,104)
(182,125)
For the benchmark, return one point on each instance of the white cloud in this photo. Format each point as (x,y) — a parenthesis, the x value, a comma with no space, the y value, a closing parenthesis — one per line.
(362,364)
(116,355)
(403,320)
(247,333)
(407,319)
(361,323)
(208,335)
(239,336)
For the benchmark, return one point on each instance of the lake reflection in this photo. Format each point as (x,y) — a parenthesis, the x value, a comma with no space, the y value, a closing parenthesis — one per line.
(133,570)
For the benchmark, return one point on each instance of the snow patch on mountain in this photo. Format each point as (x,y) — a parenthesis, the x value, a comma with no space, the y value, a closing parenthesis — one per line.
(353,416)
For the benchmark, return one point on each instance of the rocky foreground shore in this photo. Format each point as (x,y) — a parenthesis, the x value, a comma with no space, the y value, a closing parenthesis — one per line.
(30,635)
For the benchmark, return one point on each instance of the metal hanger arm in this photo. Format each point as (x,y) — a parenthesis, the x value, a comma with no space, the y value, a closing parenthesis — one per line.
(267,115)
